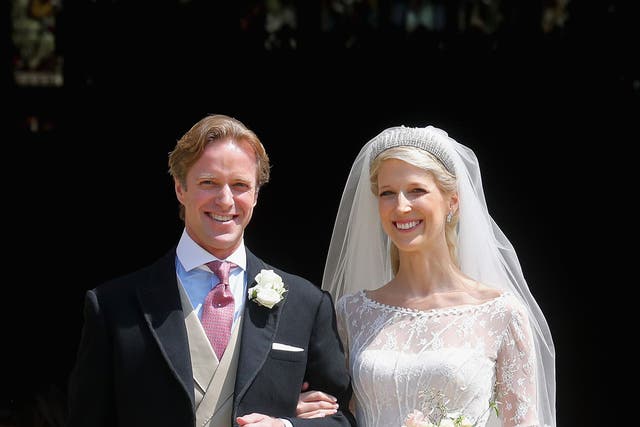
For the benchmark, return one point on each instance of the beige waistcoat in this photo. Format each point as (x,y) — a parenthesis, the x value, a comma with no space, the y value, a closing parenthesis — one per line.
(214,379)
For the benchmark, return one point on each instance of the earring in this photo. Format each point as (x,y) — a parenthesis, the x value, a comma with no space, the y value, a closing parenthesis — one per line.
(449,216)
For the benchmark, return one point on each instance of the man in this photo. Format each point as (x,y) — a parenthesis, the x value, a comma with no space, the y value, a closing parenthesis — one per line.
(148,355)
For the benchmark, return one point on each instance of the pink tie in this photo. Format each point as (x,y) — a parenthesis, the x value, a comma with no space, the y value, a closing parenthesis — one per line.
(217,312)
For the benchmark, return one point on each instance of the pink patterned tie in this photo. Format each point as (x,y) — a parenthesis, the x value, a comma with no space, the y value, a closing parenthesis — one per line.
(217,311)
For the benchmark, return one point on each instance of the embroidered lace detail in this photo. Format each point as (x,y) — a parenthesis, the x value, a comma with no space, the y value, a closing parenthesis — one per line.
(445,311)
(467,352)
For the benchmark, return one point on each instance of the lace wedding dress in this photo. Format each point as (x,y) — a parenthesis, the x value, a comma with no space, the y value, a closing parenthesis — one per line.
(472,354)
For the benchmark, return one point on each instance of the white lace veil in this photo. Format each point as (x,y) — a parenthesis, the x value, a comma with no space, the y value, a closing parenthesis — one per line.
(359,257)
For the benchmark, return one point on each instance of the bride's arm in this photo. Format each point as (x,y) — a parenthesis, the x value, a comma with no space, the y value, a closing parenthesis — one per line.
(315,404)
(515,373)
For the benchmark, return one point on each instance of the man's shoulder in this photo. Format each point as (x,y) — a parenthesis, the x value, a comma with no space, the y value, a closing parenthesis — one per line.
(128,280)
(299,287)
(289,279)
(294,279)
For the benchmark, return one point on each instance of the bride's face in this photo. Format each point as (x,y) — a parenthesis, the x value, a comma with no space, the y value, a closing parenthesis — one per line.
(412,208)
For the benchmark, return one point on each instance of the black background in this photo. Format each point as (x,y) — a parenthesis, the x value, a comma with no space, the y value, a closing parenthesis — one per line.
(92,198)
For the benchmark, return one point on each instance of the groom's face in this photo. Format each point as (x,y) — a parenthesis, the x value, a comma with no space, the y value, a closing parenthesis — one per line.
(219,196)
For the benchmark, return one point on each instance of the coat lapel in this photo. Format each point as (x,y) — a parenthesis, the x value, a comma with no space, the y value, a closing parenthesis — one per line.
(258,331)
(160,302)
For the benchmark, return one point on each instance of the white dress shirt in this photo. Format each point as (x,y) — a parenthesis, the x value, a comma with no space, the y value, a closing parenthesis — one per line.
(197,279)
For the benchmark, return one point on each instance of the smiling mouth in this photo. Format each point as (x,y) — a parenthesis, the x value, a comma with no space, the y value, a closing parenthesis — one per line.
(221,218)
(407,225)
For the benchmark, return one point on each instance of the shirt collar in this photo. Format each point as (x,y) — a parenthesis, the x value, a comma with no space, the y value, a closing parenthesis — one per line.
(191,255)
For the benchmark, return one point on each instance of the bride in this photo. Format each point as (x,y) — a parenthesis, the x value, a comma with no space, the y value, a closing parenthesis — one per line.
(436,318)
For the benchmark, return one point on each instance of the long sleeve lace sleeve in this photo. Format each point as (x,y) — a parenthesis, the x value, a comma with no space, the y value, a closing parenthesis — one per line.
(515,373)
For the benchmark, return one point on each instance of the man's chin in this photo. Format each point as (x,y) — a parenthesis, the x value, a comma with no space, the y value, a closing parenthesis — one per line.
(224,244)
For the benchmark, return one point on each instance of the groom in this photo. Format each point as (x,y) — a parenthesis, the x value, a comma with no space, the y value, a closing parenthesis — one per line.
(147,356)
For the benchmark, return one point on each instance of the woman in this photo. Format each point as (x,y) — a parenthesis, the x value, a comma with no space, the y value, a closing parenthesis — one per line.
(433,309)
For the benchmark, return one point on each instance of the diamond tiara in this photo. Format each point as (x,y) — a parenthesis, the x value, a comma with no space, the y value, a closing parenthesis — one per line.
(429,139)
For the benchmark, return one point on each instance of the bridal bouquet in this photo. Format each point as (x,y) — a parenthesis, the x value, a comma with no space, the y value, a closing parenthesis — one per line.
(418,419)
(435,413)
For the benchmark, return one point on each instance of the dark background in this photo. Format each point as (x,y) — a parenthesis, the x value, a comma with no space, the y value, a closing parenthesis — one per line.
(89,196)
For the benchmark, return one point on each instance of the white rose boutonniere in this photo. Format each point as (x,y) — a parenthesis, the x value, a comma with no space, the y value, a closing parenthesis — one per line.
(269,289)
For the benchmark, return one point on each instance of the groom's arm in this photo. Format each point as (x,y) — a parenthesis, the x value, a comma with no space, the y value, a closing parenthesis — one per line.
(327,368)
(306,320)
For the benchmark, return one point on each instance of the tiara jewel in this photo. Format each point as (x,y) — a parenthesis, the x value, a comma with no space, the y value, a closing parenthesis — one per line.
(429,139)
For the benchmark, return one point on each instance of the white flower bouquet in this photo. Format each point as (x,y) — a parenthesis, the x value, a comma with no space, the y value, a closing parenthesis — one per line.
(435,413)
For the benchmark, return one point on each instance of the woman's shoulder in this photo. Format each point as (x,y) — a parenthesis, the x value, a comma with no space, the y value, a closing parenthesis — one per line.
(483,292)
(506,299)
(509,309)
(350,299)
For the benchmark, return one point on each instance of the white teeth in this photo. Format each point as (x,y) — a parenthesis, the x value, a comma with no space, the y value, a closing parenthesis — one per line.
(407,225)
(222,218)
